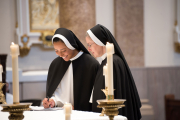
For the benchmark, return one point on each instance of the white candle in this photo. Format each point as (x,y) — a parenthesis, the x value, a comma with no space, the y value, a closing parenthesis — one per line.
(67,111)
(1,71)
(105,75)
(110,52)
(14,53)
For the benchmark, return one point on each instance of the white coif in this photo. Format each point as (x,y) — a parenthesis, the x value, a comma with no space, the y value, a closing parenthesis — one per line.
(94,38)
(64,40)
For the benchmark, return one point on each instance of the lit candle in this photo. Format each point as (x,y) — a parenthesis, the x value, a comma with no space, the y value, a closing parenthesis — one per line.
(105,75)
(67,111)
(110,52)
(1,71)
(14,53)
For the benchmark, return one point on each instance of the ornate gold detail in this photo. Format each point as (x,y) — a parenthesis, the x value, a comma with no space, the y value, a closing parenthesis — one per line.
(16,24)
(46,37)
(110,107)
(25,49)
(2,96)
(177,47)
(111,102)
(102,112)
(105,92)
(108,97)
(175,23)
(43,15)
(16,110)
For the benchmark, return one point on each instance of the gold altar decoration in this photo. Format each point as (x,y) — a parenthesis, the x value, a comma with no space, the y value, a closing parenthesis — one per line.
(177,47)
(2,96)
(108,97)
(105,92)
(16,110)
(43,15)
(110,105)
(176,44)
(24,50)
(46,37)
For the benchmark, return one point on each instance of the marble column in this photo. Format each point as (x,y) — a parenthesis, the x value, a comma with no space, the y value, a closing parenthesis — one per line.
(78,16)
(129,31)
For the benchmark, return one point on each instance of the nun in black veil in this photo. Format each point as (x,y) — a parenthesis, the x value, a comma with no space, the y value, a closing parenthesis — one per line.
(71,75)
(96,39)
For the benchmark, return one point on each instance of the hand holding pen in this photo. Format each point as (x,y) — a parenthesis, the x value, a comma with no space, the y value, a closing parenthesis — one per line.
(48,103)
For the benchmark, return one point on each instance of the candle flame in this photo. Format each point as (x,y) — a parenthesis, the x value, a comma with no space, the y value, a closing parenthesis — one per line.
(12,43)
(107,42)
(66,102)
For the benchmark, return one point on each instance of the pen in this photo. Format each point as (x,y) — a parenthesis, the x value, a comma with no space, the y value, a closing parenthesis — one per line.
(48,101)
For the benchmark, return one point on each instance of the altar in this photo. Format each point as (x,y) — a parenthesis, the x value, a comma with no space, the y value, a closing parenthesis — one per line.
(59,115)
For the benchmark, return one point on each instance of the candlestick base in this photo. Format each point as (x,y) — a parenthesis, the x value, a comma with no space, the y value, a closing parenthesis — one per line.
(16,110)
(110,107)
(2,96)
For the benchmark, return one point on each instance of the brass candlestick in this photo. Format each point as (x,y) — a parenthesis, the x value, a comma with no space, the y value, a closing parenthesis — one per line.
(16,110)
(110,105)
(2,96)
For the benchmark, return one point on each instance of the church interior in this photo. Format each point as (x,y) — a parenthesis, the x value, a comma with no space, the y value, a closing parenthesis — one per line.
(147,32)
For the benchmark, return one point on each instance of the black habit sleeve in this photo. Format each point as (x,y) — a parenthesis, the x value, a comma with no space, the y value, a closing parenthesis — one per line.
(84,72)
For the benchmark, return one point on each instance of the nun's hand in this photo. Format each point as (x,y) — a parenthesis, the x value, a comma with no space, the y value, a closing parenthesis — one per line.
(46,103)
(51,103)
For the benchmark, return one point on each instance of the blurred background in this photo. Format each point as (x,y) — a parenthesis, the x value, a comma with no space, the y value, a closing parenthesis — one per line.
(146,30)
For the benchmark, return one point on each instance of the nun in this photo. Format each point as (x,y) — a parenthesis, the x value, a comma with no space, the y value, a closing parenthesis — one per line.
(71,75)
(124,84)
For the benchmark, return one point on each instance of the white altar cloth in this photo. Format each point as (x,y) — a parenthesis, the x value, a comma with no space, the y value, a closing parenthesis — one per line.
(59,115)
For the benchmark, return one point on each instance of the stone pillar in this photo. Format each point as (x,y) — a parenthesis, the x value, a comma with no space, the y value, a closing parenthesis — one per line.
(78,16)
(129,30)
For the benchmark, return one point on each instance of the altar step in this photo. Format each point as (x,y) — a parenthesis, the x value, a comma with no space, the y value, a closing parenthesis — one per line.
(146,110)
